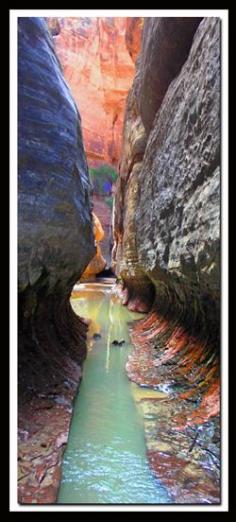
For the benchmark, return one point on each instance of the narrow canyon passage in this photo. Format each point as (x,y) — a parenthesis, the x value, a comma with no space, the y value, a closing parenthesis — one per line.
(119,182)
(105,460)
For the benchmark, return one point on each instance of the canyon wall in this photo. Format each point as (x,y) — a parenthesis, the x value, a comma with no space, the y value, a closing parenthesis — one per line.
(99,70)
(55,224)
(55,244)
(167,204)
(167,241)
(97,56)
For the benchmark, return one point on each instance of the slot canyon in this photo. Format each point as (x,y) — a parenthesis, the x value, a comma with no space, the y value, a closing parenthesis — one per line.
(119,248)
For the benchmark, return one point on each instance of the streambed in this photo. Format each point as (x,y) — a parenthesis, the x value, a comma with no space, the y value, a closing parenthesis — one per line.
(105,460)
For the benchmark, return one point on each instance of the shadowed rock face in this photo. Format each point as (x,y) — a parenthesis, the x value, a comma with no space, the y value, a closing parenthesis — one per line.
(178,232)
(167,242)
(165,46)
(55,236)
(167,214)
(168,189)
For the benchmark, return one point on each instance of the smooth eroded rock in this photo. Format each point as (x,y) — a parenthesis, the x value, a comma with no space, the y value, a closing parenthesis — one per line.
(55,244)
(178,215)
(55,236)
(167,213)
(165,46)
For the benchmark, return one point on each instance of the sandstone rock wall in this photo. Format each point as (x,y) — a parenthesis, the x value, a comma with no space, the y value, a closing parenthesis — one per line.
(99,70)
(167,247)
(165,46)
(168,190)
(167,212)
(55,244)
(97,56)
(55,236)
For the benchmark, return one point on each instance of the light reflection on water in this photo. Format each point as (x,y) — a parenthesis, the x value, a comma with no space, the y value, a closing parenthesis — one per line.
(105,459)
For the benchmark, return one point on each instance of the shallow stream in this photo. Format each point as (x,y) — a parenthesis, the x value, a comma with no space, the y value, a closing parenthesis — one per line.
(105,459)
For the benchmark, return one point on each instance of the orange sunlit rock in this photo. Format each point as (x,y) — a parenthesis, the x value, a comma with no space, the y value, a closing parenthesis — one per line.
(98,262)
(98,68)
(98,230)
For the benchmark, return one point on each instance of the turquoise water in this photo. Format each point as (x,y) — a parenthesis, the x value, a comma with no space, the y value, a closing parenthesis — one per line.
(105,459)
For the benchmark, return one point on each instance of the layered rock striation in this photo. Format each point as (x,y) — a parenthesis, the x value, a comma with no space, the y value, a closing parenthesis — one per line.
(99,70)
(167,221)
(55,244)
(97,57)
(167,204)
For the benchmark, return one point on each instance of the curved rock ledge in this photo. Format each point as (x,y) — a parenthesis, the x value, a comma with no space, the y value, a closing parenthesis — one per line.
(183,430)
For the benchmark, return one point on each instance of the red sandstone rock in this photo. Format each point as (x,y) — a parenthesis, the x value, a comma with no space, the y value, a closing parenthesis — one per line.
(99,70)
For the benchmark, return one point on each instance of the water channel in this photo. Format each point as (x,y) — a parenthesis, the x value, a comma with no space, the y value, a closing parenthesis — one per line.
(105,460)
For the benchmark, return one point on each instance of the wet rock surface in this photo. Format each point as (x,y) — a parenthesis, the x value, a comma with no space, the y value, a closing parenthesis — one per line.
(118,343)
(97,336)
(167,245)
(55,243)
(182,429)
(166,252)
